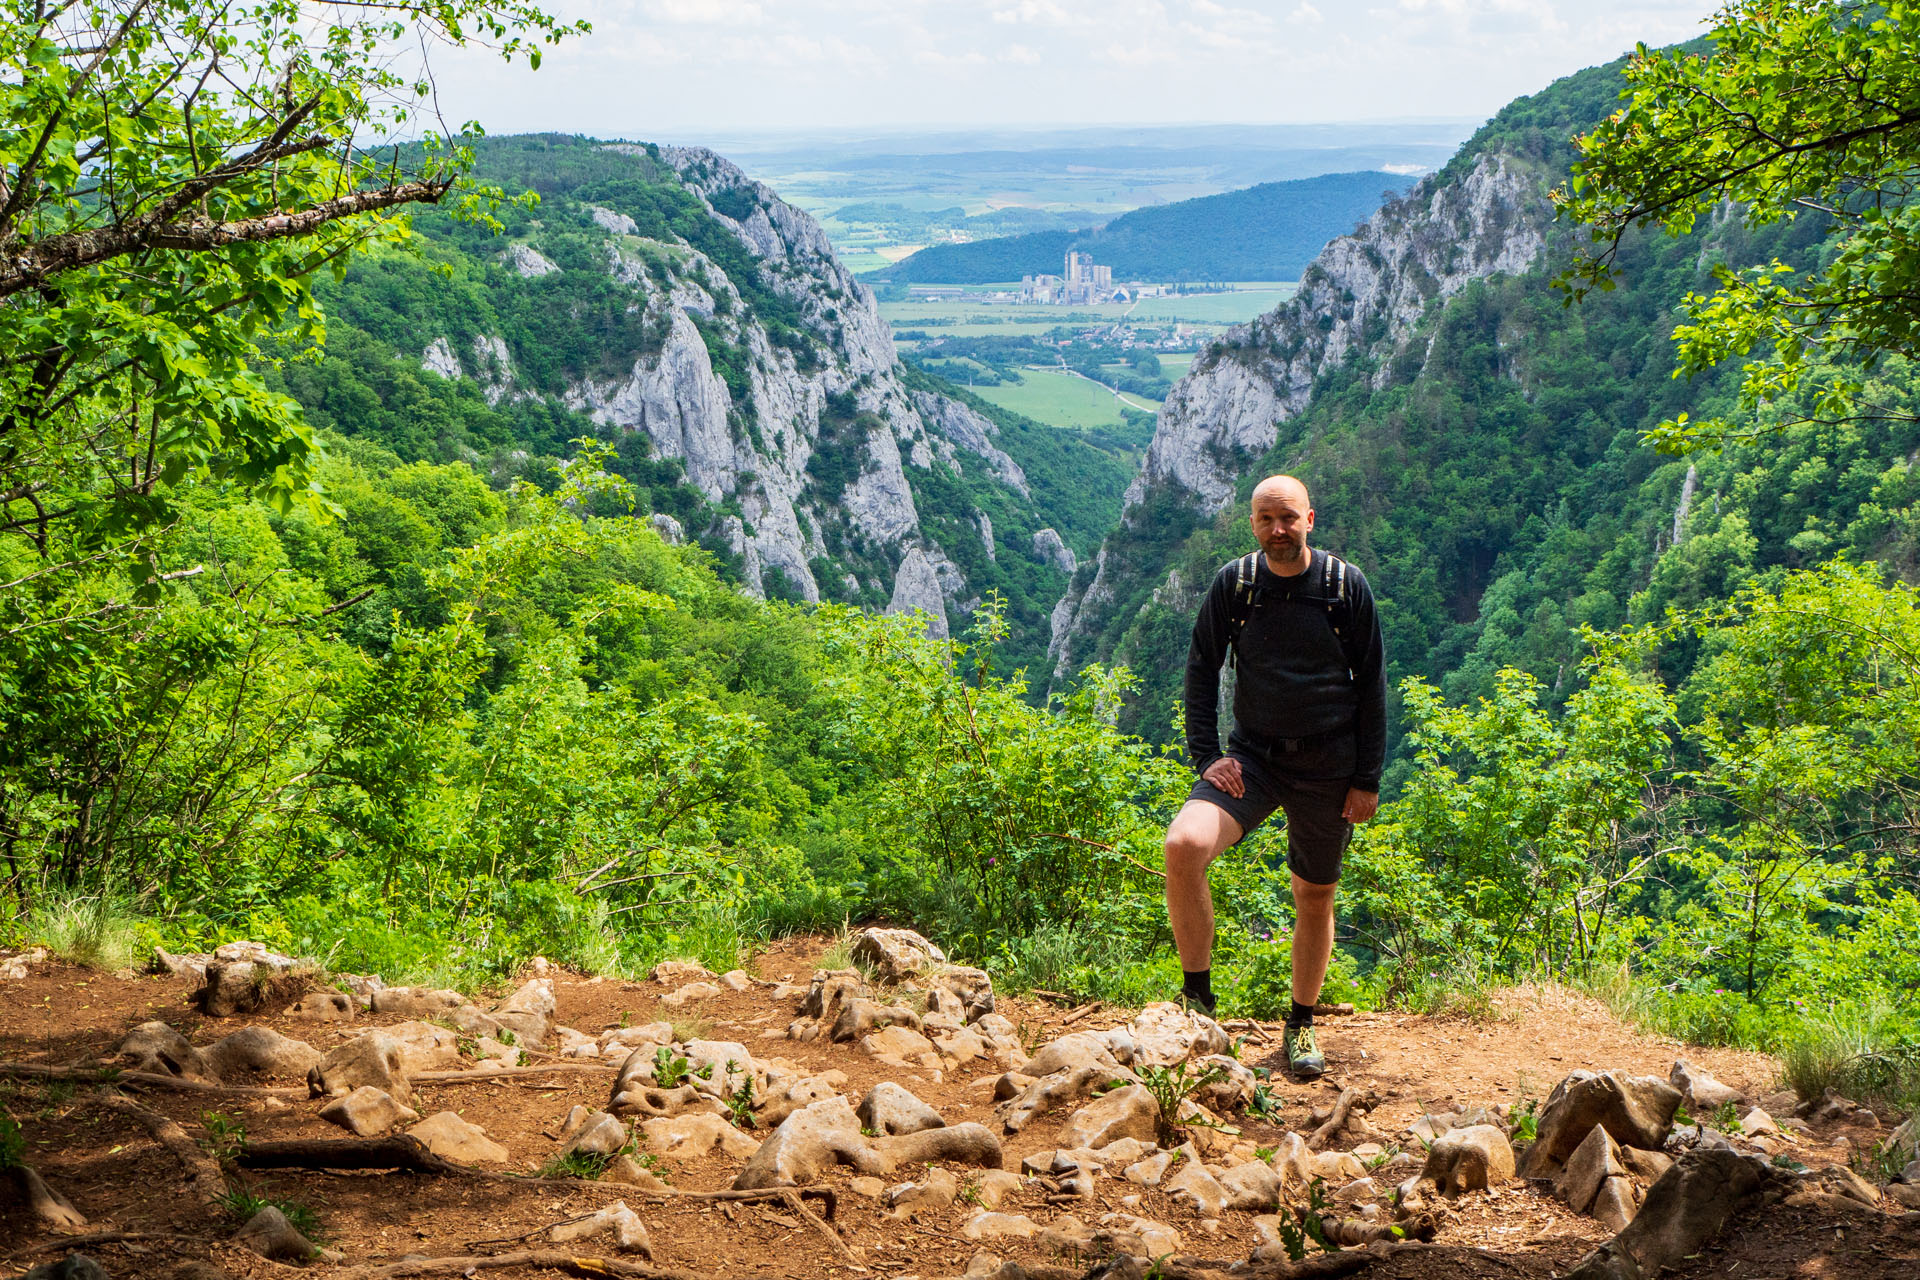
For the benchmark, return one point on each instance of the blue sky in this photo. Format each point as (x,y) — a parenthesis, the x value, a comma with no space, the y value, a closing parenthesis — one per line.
(673,69)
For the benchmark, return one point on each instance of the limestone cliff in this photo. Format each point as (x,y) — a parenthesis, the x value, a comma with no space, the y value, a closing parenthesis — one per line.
(771,377)
(1362,299)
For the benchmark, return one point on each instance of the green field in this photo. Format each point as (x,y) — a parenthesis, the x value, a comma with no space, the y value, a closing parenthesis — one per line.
(1215,308)
(1062,400)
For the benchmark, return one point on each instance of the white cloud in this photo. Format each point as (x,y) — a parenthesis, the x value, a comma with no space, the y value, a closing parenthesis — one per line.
(659,67)
(729,13)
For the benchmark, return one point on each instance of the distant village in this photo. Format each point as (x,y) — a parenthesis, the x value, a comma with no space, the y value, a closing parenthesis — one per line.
(1081,282)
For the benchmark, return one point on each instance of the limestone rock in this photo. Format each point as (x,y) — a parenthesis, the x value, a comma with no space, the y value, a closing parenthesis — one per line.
(1470,1159)
(1193,1186)
(1614,1204)
(623,1224)
(1904,1142)
(1129,1112)
(451,1138)
(1336,1167)
(325,1006)
(367,1111)
(597,1134)
(1253,1186)
(1293,1161)
(625,1171)
(1636,1110)
(676,973)
(157,1048)
(1052,1091)
(903,1043)
(1081,1049)
(735,980)
(1757,1121)
(931,1194)
(988,1225)
(972,988)
(260,1050)
(690,1137)
(889,1108)
(1700,1093)
(895,954)
(721,1066)
(372,1059)
(807,1142)
(528,1012)
(789,1098)
(1645,1166)
(1595,1160)
(681,997)
(425,1046)
(236,987)
(269,1234)
(1686,1209)
(970,1143)
(75,1266)
(994,1185)
(1141,1237)
(859,1017)
(416,1002)
(1165,1034)
(1150,1171)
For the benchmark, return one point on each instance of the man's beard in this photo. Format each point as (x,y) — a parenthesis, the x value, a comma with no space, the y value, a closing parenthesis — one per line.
(1281,547)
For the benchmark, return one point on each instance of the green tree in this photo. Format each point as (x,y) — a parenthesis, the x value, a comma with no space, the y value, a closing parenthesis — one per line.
(1801,109)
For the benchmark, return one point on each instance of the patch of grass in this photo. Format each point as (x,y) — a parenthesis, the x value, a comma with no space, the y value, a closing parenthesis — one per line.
(584,1165)
(13,1143)
(718,936)
(687,1028)
(1867,1054)
(242,1203)
(1881,1165)
(840,954)
(97,930)
(1172,1088)
(1727,1118)
(226,1137)
(1387,1153)
(1458,995)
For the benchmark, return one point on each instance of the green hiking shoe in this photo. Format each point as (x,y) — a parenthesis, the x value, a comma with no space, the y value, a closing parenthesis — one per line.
(1194,1004)
(1303,1052)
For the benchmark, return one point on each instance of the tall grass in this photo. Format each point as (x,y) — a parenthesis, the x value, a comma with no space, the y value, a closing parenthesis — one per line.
(98,930)
(1868,1053)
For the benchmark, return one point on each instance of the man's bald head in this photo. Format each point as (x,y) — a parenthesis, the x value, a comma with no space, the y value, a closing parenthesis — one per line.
(1282,517)
(1282,487)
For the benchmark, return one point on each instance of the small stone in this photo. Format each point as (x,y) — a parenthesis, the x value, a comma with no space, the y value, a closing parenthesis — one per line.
(1155,1239)
(988,1225)
(688,994)
(674,973)
(735,980)
(75,1266)
(1253,1186)
(1757,1121)
(1700,1092)
(269,1234)
(1149,1172)
(626,1171)
(426,1046)
(1470,1159)
(600,1135)
(417,1002)
(528,1012)
(1646,1166)
(1904,1194)
(1911,1174)
(995,1185)
(157,1048)
(1192,1185)
(871,1188)
(1117,1114)
(451,1138)
(367,1111)
(1339,1166)
(896,1042)
(1164,1035)
(931,1194)
(629,1233)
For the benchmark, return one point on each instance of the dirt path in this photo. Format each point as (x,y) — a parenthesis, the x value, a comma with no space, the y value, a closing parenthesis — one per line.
(110,1168)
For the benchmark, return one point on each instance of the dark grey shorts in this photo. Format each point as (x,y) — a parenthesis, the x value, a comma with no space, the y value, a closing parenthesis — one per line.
(1310,786)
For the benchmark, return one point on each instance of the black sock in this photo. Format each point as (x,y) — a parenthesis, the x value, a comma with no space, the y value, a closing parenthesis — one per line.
(1302,1015)
(1198,986)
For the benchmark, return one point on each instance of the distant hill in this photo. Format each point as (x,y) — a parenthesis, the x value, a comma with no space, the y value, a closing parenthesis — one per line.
(1268,232)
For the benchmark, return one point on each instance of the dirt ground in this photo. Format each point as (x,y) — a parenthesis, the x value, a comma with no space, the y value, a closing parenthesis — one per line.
(112,1170)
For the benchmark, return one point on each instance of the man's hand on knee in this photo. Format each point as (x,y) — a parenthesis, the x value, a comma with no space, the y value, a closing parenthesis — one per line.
(1224,773)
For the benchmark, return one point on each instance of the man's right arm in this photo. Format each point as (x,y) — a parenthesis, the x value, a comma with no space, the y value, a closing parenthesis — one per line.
(1204,655)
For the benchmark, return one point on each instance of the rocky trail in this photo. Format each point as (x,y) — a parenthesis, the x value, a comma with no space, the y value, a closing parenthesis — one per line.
(235,1117)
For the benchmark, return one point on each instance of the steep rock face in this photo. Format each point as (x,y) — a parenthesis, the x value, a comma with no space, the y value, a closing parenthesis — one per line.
(774,385)
(1363,296)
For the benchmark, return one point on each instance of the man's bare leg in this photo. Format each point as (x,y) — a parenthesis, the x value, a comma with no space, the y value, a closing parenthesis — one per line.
(1200,833)
(1312,938)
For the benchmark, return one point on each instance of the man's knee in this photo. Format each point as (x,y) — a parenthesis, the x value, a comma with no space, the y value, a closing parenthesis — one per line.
(1310,899)
(1187,850)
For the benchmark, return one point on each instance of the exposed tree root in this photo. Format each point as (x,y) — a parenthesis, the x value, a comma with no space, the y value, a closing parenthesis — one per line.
(1322,1266)
(403,1152)
(203,1171)
(139,1080)
(813,1220)
(53,1209)
(572,1264)
(1335,1122)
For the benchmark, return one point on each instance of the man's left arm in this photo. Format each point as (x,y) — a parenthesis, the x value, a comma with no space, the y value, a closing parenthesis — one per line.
(1366,655)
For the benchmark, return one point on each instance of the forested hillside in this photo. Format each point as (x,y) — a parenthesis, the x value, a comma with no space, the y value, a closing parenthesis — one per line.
(1268,232)
(658,300)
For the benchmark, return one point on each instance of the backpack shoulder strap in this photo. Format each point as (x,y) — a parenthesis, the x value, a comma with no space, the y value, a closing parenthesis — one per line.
(1333,590)
(1246,570)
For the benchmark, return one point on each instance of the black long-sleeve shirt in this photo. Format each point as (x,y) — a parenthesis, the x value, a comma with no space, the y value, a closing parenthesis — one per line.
(1296,679)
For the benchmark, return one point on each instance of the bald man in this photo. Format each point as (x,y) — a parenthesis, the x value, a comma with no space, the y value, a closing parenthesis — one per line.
(1309,738)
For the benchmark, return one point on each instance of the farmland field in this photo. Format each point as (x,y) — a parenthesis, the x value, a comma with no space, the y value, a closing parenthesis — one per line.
(1062,400)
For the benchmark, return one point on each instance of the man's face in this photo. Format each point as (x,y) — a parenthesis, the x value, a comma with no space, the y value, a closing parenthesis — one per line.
(1281,523)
